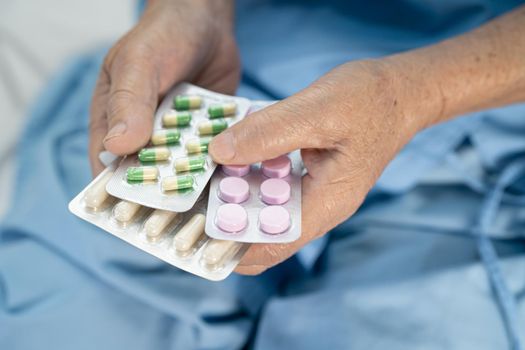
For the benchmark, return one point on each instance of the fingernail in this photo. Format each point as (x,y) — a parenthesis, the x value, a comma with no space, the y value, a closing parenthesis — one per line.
(117,130)
(222,146)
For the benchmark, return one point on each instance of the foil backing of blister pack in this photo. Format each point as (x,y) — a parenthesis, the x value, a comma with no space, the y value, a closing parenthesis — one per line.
(202,259)
(254,204)
(151,194)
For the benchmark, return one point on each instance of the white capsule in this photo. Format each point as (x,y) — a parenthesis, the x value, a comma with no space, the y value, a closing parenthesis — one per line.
(124,211)
(96,195)
(190,233)
(217,252)
(157,222)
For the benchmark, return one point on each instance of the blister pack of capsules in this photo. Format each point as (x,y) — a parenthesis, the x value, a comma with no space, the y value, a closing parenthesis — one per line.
(172,172)
(176,238)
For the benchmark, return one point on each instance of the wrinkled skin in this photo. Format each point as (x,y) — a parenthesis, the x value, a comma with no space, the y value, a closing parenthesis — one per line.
(348,130)
(166,47)
(348,124)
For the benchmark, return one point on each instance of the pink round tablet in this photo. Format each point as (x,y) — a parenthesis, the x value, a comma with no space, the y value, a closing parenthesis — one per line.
(277,167)
(236,170)
(274,219)
(231,217)
(234,189)
(275,191)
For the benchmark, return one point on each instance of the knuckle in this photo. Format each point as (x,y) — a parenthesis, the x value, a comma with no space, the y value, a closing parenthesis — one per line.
(119,100)
(297,122)
(310,111)
(335,110)
(260,131)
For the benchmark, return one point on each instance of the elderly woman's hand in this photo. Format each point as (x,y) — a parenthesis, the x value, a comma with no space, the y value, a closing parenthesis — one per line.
(351,122)
(348,124)
(183,40)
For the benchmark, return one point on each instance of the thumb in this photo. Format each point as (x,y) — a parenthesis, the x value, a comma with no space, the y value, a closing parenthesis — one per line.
(278,129)
(131,102)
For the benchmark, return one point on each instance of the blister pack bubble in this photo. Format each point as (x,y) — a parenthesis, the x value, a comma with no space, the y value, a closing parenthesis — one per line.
(176,238)
(172,172)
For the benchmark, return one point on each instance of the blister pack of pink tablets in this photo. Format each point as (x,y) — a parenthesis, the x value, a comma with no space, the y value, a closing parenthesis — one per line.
(174,169)
(257,203)
(176,238)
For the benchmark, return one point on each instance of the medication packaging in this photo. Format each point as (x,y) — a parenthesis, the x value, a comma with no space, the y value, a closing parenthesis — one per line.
(176,238)
(173,170)
(258,203)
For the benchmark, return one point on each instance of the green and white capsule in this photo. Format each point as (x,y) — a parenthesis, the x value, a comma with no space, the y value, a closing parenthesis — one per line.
(212,127)
(175,183)
(189,164)
(142,174)
(187,102)
(165,137)
(222,110)
(199,145)
(154,154)
(176,119)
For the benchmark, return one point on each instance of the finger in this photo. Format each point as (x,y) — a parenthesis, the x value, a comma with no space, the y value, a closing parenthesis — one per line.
(132,99)
(267,255)
(327,200)
(271,132)
(250,270)
(98,122)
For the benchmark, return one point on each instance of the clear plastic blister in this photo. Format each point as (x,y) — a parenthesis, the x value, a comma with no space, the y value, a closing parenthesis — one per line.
(178,150)
(260,203)
(176,238)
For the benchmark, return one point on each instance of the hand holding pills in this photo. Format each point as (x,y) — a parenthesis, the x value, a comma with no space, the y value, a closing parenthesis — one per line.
(161,51)
(348,125)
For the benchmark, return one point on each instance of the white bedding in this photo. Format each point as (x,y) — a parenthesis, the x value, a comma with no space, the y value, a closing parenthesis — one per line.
(36,37)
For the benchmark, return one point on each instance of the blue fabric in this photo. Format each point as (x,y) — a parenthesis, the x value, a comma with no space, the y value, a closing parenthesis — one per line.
(433,260)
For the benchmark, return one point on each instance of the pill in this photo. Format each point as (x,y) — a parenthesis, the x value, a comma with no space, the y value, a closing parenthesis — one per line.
(157,222)
(199,145)
(231,217)
(142,173)
(174,118)
(124,211)
(217,252)
(154,154)
(277,167)
(96,194)
(173,183)
(274,219)
(275,191)
(189,164)
(236,170)
(187,102)
(190,233)
(165,137)
(222,110)
(212,127)
(234,189)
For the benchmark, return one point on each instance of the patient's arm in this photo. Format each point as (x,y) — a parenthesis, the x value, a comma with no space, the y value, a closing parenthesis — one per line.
(351,122)
(481,69)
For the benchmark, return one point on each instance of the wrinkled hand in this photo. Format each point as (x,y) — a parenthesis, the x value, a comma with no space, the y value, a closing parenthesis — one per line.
(183,40)
(349,125)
